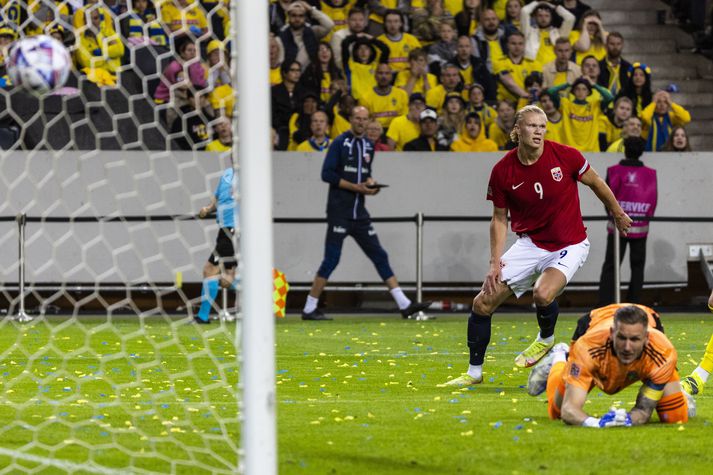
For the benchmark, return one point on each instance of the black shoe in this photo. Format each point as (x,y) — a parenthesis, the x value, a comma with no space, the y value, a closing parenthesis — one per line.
(415,307)
(200,321)
(315,314)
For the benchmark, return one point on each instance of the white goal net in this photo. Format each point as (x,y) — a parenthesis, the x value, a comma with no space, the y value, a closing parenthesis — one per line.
(102,254)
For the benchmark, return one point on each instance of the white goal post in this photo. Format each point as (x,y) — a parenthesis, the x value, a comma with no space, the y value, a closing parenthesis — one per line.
(257,376)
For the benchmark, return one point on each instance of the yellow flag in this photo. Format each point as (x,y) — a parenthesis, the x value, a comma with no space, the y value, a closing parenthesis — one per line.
(280,287)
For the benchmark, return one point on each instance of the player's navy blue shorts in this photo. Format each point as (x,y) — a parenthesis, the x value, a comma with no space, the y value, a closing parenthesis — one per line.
(365,236)
(224,252)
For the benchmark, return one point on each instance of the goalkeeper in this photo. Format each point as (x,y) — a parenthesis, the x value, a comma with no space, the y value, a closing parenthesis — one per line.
(219,271)
(619,347)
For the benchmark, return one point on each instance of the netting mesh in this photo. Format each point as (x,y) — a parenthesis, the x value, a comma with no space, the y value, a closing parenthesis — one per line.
(110,375)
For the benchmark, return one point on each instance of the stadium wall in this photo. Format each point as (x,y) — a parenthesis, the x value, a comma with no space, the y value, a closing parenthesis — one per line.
(179,183)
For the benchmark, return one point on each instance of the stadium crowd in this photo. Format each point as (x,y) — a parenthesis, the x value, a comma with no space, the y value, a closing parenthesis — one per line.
(472,63)
(439,75)
(188,69)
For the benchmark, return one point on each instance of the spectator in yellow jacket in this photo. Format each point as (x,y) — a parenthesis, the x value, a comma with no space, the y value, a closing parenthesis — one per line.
(659,118)
(99,50)
(473,140)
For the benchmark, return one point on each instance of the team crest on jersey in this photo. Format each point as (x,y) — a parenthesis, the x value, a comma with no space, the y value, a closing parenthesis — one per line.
(574,370)
(556,173)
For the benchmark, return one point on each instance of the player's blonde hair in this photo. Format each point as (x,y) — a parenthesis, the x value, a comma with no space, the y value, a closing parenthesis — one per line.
(514,137)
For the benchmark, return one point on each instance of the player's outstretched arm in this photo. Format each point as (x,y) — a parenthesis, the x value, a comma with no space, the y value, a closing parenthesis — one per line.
(573,404)
(498,235)
(573,413)
(206,210)
(606,196)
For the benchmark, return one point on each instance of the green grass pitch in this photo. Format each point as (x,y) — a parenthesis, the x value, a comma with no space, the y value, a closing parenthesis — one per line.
(357,395)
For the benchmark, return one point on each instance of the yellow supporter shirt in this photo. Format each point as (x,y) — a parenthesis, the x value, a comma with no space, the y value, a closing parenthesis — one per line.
(614,85)
(495,50)
(616,147)
(386,107)
(487,116)
(361,78)
(111,47)
(467,75)
(338,16)
(402,131)
(275,76)
(181,19)
(292,145)
(606,126)
(554,130)
(581,124)
(339,126)
(310,145)
(436,96)
(498,135)
(499,7)
(390,4)
(546,51)
(324,86)
(467,144)
(217,146)
(403,77)
(518,72)
(598,51)
(453,7)
(399,50)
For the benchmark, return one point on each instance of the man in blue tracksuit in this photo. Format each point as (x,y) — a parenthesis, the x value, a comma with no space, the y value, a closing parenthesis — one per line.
(219,270)
(347,169)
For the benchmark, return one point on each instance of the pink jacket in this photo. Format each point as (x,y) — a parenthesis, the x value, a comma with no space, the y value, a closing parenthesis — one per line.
(170,76)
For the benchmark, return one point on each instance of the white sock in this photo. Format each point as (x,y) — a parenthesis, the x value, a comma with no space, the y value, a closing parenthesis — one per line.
(310,304)
(475,371)
(702,373)
(548,340)
(401,300)
(559,356)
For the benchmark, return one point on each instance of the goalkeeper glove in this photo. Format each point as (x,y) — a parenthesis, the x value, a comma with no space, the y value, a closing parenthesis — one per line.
(613,418)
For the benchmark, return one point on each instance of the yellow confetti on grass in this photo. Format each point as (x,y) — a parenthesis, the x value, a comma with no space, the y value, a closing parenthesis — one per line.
(467,433)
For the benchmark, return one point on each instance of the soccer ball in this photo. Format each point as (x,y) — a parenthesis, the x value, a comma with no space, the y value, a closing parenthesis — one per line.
(38,63)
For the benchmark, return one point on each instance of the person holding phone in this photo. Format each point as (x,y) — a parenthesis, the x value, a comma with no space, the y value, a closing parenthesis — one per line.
(347,169)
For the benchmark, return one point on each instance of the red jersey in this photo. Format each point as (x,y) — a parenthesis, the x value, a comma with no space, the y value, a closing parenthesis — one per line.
(542,198)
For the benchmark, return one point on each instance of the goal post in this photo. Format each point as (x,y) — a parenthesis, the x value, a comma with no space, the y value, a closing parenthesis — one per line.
(106,370)
(259,438)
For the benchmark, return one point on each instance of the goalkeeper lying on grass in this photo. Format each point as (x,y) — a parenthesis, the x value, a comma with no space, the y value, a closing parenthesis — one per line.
(619,345)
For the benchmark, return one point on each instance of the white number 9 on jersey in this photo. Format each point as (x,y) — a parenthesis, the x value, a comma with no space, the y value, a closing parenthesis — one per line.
(538,188)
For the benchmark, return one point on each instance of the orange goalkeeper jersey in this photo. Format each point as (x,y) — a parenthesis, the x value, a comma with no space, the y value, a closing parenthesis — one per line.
(592,361)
